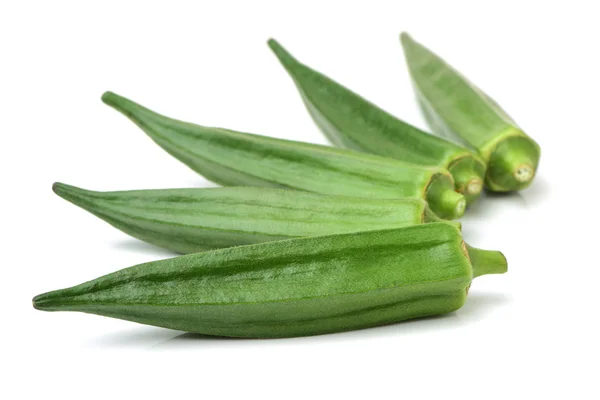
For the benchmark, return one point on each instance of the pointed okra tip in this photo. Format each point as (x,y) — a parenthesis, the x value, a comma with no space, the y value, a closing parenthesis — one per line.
(275,46)
(60,188)
(39,302)
(126,107)
(281,53)
(110,98)
(404,36)
(406,39)
(54,300)
(35,303)
(121,103)
(65,191)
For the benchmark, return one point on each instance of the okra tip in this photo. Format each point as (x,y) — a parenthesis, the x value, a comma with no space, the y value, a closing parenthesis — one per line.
(69,192)
(117,102)
(406,40)
(109,97)
(34,303)
(120,103)
(134,111)
(52,301)
(282,54)
(38,302)
(59,188)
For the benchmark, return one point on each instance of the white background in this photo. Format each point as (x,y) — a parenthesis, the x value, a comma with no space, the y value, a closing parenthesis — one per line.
(528,334)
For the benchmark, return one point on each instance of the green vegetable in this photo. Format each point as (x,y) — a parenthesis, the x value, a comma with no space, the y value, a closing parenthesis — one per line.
(350,121)
(192,220)
(454,106)
(241,159)
(295,287)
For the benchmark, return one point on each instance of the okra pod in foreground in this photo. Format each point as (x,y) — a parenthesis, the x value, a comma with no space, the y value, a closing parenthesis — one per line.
(453,105)
(295,287)
(350,121)
(192,220)
(241,159)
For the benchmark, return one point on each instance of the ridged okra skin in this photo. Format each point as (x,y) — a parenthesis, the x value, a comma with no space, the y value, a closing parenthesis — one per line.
(241,159)
(193,220)
(455,106)
(295,287)
(348,120)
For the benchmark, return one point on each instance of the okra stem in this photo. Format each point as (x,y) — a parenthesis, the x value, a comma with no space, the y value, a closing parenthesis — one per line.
(447,203)
(454,106)
(512,163)
(351,121)
(233,158)
(465,181)
(486,261)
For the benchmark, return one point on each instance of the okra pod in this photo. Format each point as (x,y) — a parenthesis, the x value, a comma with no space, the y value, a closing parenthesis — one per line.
(294,287)
(455,106)
(241,159)
(193,220)
(348,120)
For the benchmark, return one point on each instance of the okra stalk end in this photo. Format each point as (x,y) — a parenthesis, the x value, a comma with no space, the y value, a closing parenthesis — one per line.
(443,200)
(512,164)
(468,173)
(473,187)
(486,262)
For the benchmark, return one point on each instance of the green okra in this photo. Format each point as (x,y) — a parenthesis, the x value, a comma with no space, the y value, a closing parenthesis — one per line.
(348,120)
(241,159)
(294,287)
(454,106)
(193,220)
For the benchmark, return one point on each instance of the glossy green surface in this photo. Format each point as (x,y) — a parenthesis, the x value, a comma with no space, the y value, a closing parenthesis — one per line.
(350,121)
(293,287)
(453,106)
(241,159)
(192,220)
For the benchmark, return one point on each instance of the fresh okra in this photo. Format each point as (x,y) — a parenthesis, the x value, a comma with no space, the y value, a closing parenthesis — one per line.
(241,159)
(454,106)
(295,287)
(193,220)
(350,121)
